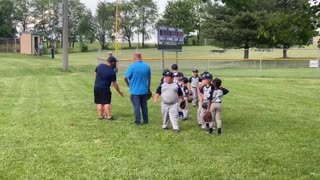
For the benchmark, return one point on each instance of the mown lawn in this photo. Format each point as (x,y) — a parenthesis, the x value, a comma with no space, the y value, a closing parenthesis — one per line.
(49,127)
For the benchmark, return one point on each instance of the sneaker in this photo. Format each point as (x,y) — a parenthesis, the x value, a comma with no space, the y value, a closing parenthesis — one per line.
(180,114)
(101,118)
(176,130)
(219,131)
(211,131)
(110,118)
(165,128)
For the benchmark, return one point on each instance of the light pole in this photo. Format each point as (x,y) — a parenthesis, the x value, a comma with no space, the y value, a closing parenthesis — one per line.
(65,61)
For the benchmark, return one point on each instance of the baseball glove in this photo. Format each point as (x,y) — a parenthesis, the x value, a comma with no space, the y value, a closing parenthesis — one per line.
(190,99)
(149,95)
(207,117)
(183,104)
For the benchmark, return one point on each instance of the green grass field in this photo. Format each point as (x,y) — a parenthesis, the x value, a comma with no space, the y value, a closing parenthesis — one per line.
(49,127)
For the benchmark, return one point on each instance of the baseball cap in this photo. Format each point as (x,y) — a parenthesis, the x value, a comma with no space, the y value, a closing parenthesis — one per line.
(168,73)
(185,80)
(174,66)
(112,59)
(195,70)
(165,71)
(178,74)
(206,75)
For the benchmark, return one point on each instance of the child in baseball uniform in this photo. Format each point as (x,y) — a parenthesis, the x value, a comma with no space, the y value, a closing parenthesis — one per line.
(204,94)
(176,74)
(185,91)
(170,94)
(194,83)
(164,75)
(215,104)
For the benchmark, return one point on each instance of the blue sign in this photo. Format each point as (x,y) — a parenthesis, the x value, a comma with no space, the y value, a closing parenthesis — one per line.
(170,35)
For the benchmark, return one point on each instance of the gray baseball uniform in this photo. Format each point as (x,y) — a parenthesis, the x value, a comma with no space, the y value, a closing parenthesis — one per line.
(170,94)
(185,111)
(205,90)
(194,81)
(216,97)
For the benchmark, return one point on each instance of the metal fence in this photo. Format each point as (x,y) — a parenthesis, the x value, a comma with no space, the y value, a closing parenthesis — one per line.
(9,45)
(220,59)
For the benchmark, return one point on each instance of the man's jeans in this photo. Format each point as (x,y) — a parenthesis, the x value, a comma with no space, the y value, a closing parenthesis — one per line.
(140,101)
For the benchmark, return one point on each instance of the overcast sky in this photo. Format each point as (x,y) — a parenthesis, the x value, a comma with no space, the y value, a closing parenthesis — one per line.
(92,4)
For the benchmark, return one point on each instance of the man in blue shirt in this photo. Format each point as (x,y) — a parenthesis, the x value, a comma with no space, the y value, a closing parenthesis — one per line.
(138,79)
(105,76)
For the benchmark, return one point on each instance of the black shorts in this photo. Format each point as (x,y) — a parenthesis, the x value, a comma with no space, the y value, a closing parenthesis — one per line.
(102,96)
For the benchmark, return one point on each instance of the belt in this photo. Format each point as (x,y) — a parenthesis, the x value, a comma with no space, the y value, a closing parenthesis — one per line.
(216,102)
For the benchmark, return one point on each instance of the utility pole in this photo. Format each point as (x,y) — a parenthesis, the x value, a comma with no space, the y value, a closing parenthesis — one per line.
(65,61)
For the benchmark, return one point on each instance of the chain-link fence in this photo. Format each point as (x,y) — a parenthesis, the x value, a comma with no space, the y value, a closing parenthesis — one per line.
(9,45)
(229,61)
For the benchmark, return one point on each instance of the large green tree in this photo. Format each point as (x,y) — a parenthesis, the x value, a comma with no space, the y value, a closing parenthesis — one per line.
(255,23)
(105,23)
(290,24)
(7,18)
(180,14)
(23,12)
(227,27)
(128,22)
(147,13)
(85,29)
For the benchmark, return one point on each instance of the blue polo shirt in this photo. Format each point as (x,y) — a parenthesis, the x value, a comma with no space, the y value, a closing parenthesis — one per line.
(138,74)
(105,75)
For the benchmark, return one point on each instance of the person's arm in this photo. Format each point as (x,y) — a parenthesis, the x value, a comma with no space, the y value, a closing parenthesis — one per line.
(180,93)
(116,86)
(200,92)
(126,80)
(158,93)
(156,97)
(149,79)
(189,87)
(210,100)
(224,90)
(127,76)
(95,72)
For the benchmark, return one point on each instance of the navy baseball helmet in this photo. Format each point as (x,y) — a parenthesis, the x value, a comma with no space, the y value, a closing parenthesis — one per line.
(179,74)
(174,67)
(206,75)
(165,71)
(195,70)
(185,80)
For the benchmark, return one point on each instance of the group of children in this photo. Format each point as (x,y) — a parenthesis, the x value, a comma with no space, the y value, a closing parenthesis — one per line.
(203,91)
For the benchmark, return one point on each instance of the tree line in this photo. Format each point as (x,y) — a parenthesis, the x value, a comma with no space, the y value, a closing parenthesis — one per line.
(224,23)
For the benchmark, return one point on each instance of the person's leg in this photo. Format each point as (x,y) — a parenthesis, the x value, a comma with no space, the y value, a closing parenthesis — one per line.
(174,116)
(199,114)
(135,100)
(165,116)
(213,110)
(186,110)
(107,109)
(202,113)
(194,96)
(144,108)
(100,110)
(107,106)
(218,117)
